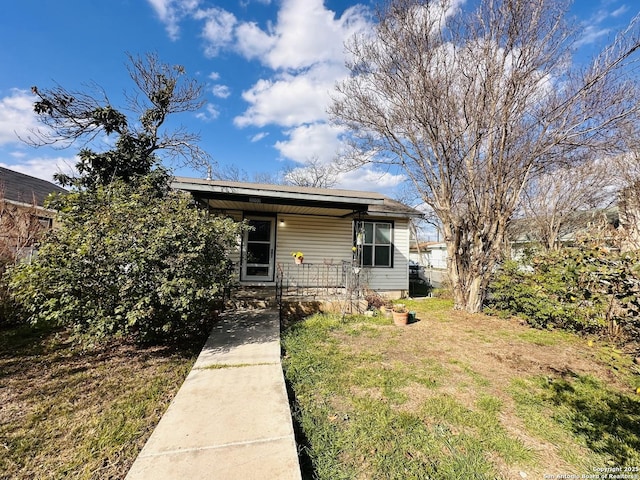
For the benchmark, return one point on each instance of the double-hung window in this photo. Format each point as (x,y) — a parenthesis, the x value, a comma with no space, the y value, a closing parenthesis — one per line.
(375,243)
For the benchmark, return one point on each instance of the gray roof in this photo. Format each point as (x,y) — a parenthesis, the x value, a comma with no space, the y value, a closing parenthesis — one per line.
(22,188)
(259,193)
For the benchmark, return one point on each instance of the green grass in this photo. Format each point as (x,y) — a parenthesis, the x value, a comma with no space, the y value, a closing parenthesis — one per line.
(579,412)
(79,414)
(374,403)
(351,409)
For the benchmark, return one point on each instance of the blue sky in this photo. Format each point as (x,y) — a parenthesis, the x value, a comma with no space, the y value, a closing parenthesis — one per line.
(268,67)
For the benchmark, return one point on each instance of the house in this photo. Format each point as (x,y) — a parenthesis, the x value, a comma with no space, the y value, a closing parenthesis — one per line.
(22,212)
(347,238)
(429,261)
(21,189)
(605,223)
(429,254)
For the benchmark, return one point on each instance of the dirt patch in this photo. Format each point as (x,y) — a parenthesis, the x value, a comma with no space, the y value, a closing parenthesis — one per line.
(500,349)
(486,354)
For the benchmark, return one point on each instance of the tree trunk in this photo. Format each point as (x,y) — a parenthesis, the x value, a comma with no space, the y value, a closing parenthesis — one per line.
(469,289)
(472,257)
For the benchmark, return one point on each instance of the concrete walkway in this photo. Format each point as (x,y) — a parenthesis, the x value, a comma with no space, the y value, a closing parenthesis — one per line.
(230,419)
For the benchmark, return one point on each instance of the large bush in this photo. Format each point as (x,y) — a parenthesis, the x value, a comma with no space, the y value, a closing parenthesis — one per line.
(128,259)
(584,288)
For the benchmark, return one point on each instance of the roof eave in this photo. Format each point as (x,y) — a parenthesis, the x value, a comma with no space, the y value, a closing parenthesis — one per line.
(235,191)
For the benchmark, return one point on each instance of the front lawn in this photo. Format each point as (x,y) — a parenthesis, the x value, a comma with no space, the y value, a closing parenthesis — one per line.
(458,396)
(80,414)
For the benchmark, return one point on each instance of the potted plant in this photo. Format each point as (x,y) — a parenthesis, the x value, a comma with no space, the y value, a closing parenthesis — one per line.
(387,309)
(298,257)
(400,314)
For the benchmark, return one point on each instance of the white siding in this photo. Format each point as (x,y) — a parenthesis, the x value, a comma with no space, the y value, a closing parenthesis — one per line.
(396,278)
(327,240)
(321,239)
(434,256)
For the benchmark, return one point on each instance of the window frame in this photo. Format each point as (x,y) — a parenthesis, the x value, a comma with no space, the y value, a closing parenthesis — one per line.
(358,226)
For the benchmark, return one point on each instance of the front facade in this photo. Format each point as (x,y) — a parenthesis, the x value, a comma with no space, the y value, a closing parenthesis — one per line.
(339,233)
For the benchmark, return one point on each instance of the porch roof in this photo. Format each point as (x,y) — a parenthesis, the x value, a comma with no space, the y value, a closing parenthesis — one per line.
(270,198)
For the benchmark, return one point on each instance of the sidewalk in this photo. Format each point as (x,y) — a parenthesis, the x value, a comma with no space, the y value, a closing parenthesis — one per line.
(230,419)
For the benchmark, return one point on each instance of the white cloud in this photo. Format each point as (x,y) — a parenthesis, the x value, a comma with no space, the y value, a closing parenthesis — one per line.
(620,11)
(43,167)
(210,113)
(252,41)
(287,101)
(259,136)
(319,140)
(246,3)
(370,179)
(171,12)
(594,28)
(214,76)
(591,34)
(305,50)
(218,30)
(307,33)
(221,91)
(16,116)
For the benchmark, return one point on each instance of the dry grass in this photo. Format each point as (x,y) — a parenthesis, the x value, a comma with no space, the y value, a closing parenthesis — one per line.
(82,414)
(455,395)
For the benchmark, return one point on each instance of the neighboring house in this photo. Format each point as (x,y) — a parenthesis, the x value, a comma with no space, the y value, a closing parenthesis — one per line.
(343,234)
(430,254)
(22,212)
(431,261)
(524,233)
(26,190)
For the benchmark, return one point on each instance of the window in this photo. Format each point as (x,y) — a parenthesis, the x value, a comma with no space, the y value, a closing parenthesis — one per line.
(375,243)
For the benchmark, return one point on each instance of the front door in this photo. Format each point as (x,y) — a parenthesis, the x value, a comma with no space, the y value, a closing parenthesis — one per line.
(258,249)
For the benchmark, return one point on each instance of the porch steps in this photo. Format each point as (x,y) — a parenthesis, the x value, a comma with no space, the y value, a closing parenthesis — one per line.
(305,303)
(252,298)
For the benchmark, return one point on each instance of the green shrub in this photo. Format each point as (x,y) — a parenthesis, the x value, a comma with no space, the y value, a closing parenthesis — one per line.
(586,288)
(132,260)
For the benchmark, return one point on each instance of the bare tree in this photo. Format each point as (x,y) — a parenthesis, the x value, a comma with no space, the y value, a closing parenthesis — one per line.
(20,229)
(627,168)
(314,173)
(69,117)
(470,104)
(233,173)
(554,203)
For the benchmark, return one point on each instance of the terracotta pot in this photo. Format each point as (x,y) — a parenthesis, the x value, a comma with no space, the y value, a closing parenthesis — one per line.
(401,318)
(299,260)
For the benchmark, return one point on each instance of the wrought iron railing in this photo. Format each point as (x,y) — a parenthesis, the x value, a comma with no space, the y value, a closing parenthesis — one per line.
(334,282)
(310,280)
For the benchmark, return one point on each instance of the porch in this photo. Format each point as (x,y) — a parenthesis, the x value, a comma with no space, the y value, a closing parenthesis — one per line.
(336,287)
(326,225)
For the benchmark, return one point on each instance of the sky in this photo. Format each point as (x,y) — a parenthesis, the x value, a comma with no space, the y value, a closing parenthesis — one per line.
(268,68)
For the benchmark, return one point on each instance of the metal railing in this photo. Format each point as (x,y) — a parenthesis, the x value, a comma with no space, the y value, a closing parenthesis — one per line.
(318,281)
